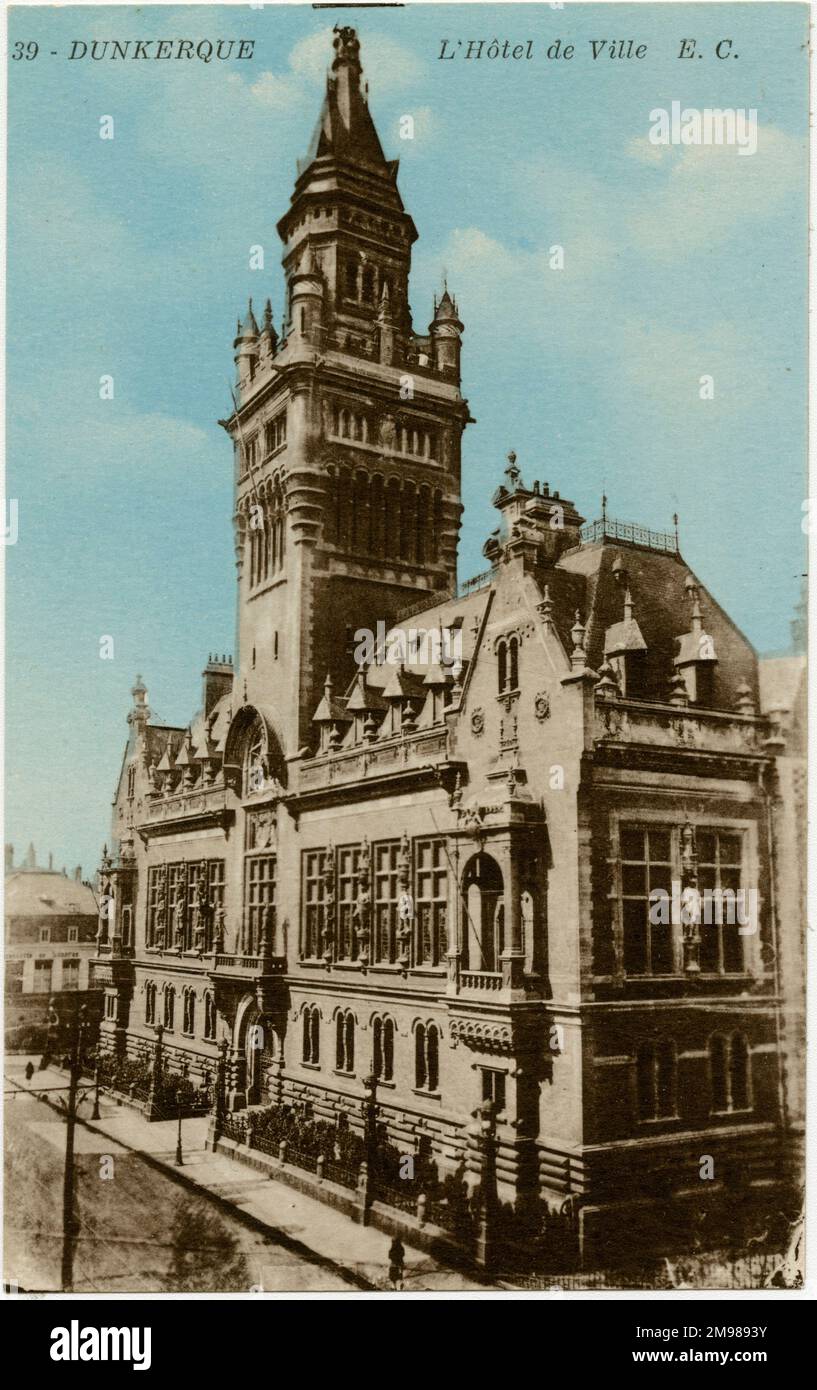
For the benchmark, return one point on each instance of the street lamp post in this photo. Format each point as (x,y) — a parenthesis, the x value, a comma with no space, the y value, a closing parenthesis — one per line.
(179,1159)
(95,1111)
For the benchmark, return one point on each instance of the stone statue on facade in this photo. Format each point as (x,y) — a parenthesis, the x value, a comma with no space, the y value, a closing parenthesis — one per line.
(201,911)
(218,930)
(178,920)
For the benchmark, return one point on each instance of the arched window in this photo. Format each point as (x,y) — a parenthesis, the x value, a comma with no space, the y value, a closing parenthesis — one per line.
(501,667)
(426,1057)
(351,279)
(254,762)
(656,1080)
(369,284)
(345,1041)
(312,1035)
(484,926)
(437,527)
(169,1007)
(513,664)
(209,1018)
(150,1002)
(383,1049)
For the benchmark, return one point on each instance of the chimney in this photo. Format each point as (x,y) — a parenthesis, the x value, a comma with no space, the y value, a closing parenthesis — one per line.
(50,863)
(31,858)
(9,858)
(78,874)
(218,681)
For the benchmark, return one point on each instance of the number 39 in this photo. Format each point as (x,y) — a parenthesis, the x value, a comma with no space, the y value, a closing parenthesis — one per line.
(25,50)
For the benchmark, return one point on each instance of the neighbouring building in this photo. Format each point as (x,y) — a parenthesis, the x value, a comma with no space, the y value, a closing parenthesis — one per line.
(460,853)
(51,930)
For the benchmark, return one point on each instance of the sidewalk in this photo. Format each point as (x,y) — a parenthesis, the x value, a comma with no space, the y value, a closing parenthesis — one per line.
(356,1254)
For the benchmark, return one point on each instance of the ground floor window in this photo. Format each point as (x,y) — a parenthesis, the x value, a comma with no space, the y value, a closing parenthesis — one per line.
(70,974)
(656,1068)
(209,1018)
(311,1024)
(729,1066)
(383,1049)
(426,1057)
(493,1088)
(345,1042)
(42,977)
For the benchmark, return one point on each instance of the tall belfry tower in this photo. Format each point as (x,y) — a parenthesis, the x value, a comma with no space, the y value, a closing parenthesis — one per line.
(347,427)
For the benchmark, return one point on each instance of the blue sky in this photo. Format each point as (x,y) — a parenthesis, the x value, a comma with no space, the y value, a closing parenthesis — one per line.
(130,257)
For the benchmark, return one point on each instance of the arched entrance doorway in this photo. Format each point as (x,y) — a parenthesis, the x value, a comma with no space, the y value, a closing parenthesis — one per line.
(483,914)
(257,1045)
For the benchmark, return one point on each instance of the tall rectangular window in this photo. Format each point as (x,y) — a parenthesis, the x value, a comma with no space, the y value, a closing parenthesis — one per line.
(175,890)
(720,873)
(259,901)
(70,974)
(275,433)
(348,861)
(645,866)
(42,977)
(431,901)
(312,899)
(386,893)
(195,872)
(154,879)
(493,1088)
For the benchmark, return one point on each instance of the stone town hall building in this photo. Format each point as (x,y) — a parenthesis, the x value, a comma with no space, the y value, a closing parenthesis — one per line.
(434,863)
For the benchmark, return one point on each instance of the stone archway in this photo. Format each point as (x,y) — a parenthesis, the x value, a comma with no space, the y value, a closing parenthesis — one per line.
(255,1050)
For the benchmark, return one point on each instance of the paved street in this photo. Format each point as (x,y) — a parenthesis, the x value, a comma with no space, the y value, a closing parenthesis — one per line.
(147,1226)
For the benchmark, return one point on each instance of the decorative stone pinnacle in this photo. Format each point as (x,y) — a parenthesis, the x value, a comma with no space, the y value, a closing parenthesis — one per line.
(545,607)
(577,633)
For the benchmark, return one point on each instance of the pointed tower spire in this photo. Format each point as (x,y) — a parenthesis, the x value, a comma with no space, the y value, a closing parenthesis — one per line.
(345,128)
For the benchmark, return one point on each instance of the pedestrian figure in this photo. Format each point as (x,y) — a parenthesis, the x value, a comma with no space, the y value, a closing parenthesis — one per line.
(29,1070)
(397,1260)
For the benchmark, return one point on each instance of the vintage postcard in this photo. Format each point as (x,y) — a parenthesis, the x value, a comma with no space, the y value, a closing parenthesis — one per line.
(406,543)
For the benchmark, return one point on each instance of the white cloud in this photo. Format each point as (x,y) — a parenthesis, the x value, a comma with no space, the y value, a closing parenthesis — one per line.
(708,192)
(642,149)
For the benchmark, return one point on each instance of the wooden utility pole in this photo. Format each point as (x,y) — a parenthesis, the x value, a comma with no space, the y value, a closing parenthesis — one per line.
(69,1218)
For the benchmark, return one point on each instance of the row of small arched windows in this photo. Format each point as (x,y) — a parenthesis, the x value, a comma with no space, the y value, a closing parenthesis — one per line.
(168,1010)
(729,1075)
(426,1045)
(393,517)
(266,534)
